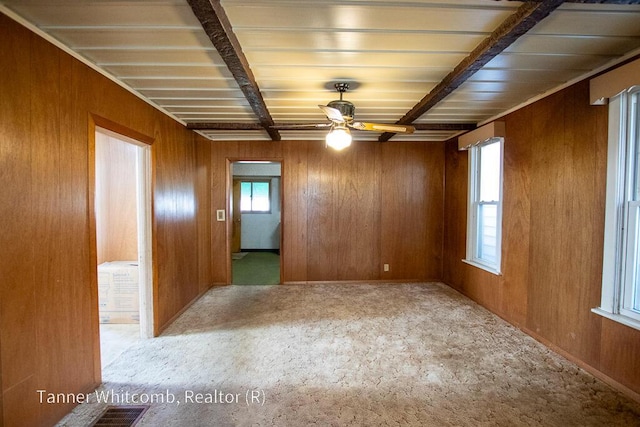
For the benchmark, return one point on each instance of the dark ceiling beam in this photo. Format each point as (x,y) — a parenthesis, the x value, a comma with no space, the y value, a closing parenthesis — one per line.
(298,126)
(216,24)
(525,18)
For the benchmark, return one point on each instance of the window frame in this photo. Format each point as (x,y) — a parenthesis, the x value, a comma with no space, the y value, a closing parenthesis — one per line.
(474,204)
(621,241)
(252,181)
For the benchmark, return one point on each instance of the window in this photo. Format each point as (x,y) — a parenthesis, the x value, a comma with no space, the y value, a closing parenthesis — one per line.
(484,219)
(621,260)
(255,196)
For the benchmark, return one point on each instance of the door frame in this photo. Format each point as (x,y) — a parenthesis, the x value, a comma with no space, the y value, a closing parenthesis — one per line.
(146,237)
(229,209)
(236,217)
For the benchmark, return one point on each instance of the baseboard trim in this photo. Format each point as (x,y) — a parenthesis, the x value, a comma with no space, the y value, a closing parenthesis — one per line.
(631,394)
(218,284)
(182,310)
(273,251)
(353,282)
(583,365)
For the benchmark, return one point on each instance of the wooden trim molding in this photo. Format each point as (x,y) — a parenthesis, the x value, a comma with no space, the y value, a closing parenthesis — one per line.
(610,84)
(483,133)
(118,130)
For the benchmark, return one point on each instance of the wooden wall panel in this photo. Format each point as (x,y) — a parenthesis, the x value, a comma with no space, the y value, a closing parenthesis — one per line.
(554,190)
(294,212)
(322,243)
(52,231)
(455,207)
(548,241)
(619,350)
(115,200)
(17,287)
(516,207)
(567,185)
(367,186)
(394,192)
(434,210)
(176,221)
(336,205)
(75,300)
(205,264)
(411,201)
(347,208)
(218,229)
(47,303)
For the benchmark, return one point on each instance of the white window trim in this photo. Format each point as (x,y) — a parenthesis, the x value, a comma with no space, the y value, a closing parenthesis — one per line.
(615,217)
(472,223)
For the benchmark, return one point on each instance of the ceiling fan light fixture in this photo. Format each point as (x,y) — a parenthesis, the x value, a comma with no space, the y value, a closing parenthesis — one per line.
(339,138)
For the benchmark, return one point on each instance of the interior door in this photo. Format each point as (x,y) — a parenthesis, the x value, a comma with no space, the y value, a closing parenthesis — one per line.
(236,229)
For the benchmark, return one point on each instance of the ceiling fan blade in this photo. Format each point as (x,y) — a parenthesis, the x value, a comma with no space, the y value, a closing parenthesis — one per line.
(332,113)
(382,127)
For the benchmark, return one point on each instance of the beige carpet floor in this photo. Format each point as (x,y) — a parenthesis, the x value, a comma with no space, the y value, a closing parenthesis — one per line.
(361,355)
(115,338)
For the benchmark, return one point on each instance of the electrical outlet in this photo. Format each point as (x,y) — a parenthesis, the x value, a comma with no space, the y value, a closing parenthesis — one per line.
(385,267)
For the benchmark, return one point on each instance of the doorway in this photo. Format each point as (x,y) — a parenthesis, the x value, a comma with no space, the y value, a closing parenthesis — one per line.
(255,243)
(122,201)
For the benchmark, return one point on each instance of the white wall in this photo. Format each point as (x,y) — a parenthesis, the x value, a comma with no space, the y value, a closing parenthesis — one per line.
(261,231)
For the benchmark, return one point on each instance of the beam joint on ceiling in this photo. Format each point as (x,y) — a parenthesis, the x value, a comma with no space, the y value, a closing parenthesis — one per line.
(516,25)
(216,24)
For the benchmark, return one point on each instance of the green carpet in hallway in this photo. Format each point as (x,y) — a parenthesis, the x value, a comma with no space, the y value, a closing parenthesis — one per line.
(257,268)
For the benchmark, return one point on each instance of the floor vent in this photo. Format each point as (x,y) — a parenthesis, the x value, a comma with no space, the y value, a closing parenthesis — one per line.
(120,416)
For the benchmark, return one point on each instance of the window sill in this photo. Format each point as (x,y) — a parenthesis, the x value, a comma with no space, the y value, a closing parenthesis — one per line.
(627,321)
(484,267)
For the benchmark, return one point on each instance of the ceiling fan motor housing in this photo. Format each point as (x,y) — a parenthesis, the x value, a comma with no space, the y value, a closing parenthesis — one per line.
(346,108)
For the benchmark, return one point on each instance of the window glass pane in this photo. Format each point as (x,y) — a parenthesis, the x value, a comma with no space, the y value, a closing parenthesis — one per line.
(634,208)
(245,196)
(490,172)
(635,299)
(485,206)
(632,282)
(487,232)
(261,196)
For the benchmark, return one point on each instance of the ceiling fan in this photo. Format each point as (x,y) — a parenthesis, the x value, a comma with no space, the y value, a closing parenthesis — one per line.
(340,113)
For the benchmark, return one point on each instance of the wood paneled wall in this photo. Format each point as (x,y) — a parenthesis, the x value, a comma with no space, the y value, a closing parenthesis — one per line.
(554,193)
(115,200)
(48,299)
(345,214)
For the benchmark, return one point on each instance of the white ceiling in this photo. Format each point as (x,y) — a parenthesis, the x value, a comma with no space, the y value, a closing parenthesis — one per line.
(396,52)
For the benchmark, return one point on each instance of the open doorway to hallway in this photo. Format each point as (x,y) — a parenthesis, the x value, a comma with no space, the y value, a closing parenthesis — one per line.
(256,215)
(122,205)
